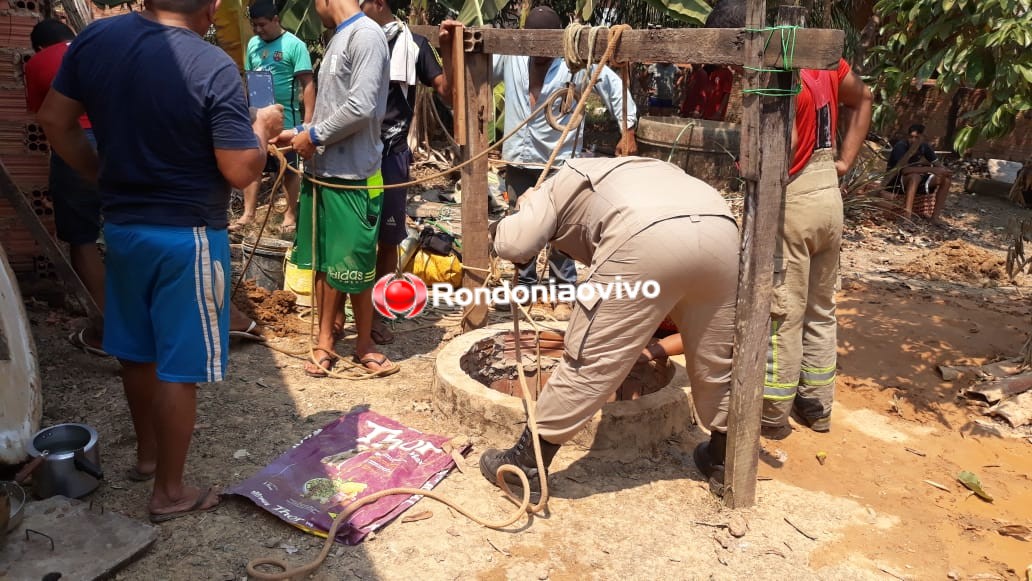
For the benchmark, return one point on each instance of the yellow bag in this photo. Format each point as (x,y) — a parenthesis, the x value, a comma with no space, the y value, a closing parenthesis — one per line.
(298,281)
(434,268)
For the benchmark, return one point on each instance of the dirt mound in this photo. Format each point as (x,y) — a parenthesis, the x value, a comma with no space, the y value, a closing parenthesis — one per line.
(959,261)
(273,309)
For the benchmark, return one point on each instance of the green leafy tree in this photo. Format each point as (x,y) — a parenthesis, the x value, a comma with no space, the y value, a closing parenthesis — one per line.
(983,45)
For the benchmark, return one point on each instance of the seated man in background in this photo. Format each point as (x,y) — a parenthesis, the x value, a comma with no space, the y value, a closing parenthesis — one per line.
(914,167)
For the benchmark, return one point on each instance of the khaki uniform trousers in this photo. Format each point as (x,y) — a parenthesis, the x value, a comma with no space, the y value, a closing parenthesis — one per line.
(801,355)
(695,261)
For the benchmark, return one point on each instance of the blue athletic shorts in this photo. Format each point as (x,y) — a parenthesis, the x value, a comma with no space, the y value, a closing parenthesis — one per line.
(167,299)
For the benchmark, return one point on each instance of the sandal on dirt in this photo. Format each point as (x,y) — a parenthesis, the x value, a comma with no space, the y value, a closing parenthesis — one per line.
(249,334)
(288,229)
(380,334)
(380,360)
(324,369)
(78,340)
(194,509)
(237,226)
(137,476)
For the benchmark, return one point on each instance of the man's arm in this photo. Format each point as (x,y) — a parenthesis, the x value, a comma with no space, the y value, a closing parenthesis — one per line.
(59,117)
(307,82)
(521,236)
(430,70)
(369,76)
(610,88)
(855,105)
(242,167)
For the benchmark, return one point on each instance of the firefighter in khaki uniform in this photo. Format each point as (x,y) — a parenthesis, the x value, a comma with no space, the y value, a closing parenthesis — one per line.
(632,220)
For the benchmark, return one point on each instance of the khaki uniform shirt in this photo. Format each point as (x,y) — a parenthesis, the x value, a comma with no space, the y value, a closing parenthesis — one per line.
(592,206)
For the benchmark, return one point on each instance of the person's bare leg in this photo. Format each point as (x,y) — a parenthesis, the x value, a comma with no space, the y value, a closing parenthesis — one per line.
(238,321)
(88,264)
(140,382)
(362,305)
(250,205)
(910,185)
(386,263)
(292,183)
(329,301)
(942,191)
(174,413)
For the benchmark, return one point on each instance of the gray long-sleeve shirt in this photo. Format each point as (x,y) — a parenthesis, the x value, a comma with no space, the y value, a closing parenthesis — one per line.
(351,101)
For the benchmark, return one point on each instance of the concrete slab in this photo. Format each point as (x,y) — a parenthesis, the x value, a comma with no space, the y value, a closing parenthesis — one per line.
(87,543)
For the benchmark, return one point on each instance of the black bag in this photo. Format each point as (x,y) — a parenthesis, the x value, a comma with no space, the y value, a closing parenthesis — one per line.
(436,242)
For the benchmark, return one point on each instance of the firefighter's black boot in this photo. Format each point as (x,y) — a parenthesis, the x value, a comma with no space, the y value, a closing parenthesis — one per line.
(522,456)
(709,459)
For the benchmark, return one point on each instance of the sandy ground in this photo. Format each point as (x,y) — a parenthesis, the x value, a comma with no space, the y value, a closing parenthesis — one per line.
(866,513)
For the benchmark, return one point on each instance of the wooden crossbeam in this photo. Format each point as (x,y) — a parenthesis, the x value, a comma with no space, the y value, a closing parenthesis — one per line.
(814,48)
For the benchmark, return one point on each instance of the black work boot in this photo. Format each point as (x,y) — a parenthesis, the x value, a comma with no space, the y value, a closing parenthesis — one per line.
(522,456)
(709,459)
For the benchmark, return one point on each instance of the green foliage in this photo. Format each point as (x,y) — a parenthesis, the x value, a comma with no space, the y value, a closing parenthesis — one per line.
(984,45)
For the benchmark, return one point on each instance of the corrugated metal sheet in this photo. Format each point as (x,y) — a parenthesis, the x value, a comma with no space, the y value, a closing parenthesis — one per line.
(15,26)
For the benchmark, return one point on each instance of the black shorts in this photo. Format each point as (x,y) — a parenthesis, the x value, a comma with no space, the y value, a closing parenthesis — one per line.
(395,170)
(76,202)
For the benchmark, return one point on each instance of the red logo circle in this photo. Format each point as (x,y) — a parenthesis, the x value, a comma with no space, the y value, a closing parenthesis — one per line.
(404,296)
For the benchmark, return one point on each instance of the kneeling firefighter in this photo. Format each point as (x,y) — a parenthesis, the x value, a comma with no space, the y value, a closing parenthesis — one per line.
(632,220)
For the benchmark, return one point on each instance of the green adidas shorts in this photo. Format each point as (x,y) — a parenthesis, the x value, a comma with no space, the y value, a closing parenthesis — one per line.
(347,225)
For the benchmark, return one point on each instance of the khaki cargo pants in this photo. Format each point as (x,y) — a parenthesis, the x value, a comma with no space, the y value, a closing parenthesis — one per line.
(801,355)
(695,261)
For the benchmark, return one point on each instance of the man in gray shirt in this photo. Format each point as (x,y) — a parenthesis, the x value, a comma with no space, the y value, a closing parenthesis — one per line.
(342,147)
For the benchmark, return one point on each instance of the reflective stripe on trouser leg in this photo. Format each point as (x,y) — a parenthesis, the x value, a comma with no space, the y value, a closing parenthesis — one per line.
(777,397)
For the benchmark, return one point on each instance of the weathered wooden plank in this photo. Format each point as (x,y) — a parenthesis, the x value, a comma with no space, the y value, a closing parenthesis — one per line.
(766,144)
(39,232)
(475,247)
(814,48)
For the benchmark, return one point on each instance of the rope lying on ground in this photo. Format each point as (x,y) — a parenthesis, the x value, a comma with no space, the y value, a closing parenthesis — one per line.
(529,400)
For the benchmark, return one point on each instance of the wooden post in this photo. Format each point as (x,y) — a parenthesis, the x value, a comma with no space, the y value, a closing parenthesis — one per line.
(50,249)
(479,108)
(766,146)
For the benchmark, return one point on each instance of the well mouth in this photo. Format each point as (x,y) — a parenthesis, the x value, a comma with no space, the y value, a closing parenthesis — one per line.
(491,361)
(651,406)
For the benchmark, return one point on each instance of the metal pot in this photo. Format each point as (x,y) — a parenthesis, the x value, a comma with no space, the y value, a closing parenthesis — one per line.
(71,461)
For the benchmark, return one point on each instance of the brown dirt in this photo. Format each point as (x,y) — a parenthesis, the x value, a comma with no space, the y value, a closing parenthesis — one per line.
(867,508)
(959,261)
(275,310)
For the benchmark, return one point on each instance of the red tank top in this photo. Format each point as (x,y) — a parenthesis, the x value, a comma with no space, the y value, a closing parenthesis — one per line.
(816,117)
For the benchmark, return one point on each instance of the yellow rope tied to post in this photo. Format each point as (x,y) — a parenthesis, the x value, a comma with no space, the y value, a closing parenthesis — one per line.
(529,400)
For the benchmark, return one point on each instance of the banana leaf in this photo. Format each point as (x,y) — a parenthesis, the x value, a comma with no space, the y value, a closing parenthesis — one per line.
(233,29)
(300,17)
